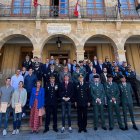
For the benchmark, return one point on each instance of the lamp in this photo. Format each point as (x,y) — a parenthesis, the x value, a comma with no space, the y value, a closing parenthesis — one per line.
(58,42)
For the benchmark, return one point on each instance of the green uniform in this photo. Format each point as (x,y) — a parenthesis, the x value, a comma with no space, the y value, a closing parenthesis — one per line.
(97,91)
(127,101)
(112,91)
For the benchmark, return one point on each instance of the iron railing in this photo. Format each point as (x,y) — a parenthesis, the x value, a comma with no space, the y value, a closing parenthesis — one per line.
(45,12)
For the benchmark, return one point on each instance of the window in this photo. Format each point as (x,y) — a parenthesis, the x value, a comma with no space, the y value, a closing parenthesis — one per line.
(63,7)
(95,7)
(128,8)
(21,7)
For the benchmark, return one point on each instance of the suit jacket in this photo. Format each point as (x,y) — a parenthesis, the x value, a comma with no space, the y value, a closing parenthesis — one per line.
(82,94)
(126,93)
(103,78)
(45,69)
(40,98)
(61,76)
(66,92)
(99,69)
(51,94)
(97,92)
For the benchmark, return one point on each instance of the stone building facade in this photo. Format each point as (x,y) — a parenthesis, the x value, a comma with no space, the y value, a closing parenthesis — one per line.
(111,32)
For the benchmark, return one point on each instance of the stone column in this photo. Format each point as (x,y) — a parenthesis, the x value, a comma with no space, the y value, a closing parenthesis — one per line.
(120,55)
(80,54)
(37,52)
(38,11)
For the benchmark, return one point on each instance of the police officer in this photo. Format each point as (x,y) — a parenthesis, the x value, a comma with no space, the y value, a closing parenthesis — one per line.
(127,101)
(82,101)
(98,95)
(112,92)
(51,103)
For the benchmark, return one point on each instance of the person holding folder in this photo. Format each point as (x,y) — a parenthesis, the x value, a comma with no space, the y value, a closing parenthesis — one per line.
(19,99)
(5,100)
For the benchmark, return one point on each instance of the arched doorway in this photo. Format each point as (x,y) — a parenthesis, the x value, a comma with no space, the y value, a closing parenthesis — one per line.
(132,47)
(99,46)
(13,53)
(64,51)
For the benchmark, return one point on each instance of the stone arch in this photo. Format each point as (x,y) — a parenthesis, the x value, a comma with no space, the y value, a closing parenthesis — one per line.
(112,40)
(71,37)
(15,33)
(129,35)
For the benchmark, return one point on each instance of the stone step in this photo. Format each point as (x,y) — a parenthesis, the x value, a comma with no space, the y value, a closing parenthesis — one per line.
(25,125)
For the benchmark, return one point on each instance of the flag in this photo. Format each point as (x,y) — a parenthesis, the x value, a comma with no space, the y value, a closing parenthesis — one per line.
(35,3)
(119,6)
(76,11)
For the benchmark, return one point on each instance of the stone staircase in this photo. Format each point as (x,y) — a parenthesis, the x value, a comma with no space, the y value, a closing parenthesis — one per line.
(25,121)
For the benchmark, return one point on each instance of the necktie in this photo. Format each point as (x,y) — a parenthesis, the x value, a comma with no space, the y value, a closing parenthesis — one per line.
(66,84)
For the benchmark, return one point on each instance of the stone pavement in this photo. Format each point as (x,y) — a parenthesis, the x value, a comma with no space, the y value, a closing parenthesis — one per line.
(100,134)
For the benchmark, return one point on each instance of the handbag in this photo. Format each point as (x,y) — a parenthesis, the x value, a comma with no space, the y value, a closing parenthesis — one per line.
(41,112)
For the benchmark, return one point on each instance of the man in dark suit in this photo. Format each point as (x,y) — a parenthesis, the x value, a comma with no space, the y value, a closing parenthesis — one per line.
(51,103)
(45,69)
(95,62)
(66,95)
(108,65)
(99,67)
(103,76)
(82,101)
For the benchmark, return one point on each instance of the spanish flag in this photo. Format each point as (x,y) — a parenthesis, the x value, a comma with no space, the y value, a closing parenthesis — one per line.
(76,11)
(35,3)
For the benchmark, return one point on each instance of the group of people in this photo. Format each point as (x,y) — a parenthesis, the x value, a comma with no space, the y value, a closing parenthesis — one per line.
(41,87)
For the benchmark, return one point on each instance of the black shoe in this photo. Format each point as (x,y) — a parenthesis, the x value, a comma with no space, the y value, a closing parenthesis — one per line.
(85,130)
(79,131)
(110,128)
(126,128)
(95,128)
(104,128)
(46,130)
(122,128)
(135,127)
(55,129)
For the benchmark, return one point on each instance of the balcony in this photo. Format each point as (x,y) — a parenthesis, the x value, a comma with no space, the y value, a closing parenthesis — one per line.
(55,12)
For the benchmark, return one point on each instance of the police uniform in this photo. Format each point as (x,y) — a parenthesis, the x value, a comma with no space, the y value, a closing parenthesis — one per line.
(82,98)
(97,91)
(51,104)
(112,91)
(127,102)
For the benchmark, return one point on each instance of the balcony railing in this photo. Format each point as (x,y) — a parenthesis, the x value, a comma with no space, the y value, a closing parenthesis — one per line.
(46,12)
